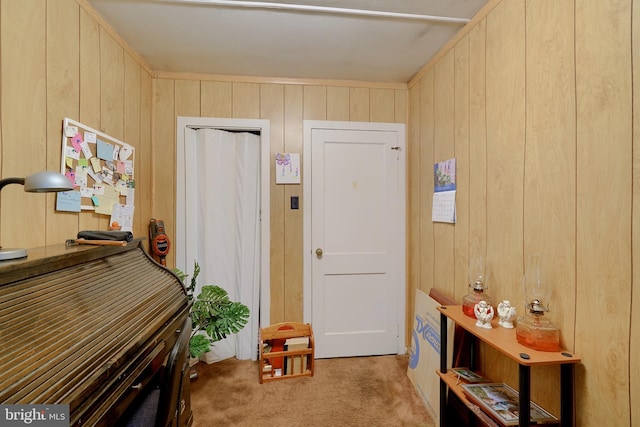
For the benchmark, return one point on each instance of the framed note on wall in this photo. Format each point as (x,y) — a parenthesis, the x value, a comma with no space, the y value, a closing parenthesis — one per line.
(101,169)
(287,168)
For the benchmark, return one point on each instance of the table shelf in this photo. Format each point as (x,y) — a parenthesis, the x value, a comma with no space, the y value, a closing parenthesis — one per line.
(455,385)
(504,340)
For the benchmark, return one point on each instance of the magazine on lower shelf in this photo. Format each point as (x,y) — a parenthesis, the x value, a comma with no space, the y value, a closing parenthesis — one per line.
(502,403)
(469,376)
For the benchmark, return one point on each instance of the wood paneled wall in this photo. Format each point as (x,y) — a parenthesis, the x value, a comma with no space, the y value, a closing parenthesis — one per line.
(58,59)
(286,106)
(535,100)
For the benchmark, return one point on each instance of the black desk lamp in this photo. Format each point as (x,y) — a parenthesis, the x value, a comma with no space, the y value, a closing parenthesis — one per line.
(40,182)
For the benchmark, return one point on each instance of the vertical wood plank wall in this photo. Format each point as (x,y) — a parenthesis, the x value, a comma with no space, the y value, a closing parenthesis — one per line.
(58,60)
(634,324)
(535,100)
(286,105)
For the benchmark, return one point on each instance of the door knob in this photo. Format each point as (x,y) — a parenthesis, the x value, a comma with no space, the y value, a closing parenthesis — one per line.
(319,252)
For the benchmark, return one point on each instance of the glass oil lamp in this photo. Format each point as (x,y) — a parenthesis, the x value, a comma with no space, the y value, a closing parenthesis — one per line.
(535,329)
(477,286)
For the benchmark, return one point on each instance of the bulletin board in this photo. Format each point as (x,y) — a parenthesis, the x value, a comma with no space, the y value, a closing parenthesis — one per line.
(101,169)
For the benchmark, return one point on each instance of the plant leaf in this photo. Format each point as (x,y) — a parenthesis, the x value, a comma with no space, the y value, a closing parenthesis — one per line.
(212,312)
(198,345)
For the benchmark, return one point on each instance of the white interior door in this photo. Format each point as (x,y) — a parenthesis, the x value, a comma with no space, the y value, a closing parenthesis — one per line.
(354,199)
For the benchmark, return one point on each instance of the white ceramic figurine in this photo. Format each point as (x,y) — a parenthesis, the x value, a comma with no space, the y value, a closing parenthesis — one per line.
(484,314)
(506,313)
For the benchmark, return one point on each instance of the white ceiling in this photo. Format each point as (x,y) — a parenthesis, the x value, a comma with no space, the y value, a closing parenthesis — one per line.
(317,39)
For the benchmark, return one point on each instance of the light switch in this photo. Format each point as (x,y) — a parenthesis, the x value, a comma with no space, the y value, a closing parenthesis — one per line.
(294,202)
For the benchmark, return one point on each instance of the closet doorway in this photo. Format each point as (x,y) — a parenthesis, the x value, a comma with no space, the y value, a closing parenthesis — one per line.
(222,216)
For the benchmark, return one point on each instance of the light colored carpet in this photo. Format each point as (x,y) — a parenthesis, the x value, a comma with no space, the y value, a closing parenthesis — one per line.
(357,391)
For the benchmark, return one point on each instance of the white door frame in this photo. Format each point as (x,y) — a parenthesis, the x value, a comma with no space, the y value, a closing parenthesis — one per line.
(263,126)
(308,127)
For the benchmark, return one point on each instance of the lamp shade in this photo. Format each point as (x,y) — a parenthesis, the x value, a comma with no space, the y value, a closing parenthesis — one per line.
(39,182)
(46,182)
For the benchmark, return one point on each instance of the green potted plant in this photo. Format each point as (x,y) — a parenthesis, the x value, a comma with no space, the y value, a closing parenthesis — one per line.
(211,312)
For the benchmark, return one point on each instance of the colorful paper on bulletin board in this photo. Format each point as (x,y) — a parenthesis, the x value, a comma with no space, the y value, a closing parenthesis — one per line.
(105,150)
(107,199)
(424,354)
(287,168)
(100,167)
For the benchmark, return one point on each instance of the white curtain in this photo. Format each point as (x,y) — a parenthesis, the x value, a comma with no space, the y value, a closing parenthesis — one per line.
(226,208)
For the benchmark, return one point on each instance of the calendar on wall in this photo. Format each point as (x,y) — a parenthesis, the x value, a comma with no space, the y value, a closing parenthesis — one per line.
(444,192)
(101,169)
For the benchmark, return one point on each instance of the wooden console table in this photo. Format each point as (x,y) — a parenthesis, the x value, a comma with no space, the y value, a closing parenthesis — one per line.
(504,340)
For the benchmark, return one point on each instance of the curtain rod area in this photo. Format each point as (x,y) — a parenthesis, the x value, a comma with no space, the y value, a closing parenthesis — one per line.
(321,9)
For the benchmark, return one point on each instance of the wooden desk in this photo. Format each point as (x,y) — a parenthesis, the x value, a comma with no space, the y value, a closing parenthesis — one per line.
(91,327)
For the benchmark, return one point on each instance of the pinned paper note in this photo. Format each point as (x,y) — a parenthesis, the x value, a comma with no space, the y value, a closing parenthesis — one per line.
(68,201)
(125,152)
(75,141)
(70,131)
(123,215)
(97,177)
(95,164)
(98,190)
(72,176)
(107,176)
(121,187)
(71,153)
(86,151)
(105,150)
(90,137)
(86,192)
(131,196)
(80,179)
(107,200)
